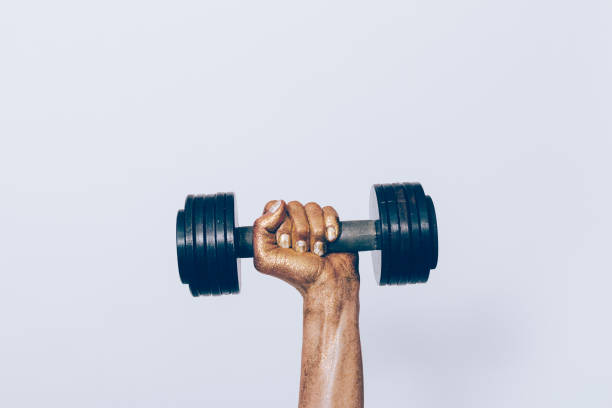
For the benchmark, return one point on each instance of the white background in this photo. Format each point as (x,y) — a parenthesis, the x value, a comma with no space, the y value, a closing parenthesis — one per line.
(111,112)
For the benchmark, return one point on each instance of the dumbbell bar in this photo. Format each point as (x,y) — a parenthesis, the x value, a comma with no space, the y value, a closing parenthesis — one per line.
(402,236)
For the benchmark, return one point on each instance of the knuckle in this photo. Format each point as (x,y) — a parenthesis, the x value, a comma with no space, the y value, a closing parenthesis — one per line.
(317,231)
(263,261)
(329,210)
(260,263)
(301,230)
(312,206)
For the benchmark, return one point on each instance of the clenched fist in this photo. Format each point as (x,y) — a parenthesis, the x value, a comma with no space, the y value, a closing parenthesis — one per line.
(290,241)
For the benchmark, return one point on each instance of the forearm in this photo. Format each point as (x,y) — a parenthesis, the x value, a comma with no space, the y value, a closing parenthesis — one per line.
(332,372)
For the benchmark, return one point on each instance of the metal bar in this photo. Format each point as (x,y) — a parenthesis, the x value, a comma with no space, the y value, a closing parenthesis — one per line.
(354,236)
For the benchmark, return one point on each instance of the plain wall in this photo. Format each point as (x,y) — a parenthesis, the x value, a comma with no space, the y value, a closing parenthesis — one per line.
(111,112)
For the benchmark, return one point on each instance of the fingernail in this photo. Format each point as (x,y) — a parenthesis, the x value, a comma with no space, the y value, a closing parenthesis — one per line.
(319,248)
(300,246)
(274,206)
(331,233)
(284,241)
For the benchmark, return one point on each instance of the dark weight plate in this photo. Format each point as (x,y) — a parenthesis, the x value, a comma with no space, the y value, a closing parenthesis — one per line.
(233,263)
(426,246)
(180,245)
(404,223)
(433,225)
(395,264)
(211,245)
(189,257)
(380,258)
(415,238)
(221,274)
(199,280)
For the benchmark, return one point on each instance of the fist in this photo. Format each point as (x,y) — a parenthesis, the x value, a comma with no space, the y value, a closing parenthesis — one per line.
(290,242)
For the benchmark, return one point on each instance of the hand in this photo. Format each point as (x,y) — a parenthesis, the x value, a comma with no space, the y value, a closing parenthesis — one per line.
(289,242)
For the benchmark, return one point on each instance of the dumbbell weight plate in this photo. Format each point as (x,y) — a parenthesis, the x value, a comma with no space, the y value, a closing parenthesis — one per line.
(211,286)
(221,274)
(404,223)
(426,243)
(180,245)
(395,265)
(189,253)
(201,271)
(434,232)
(233,264)
(380,258)
(414,265)
(415,237)
(190,245)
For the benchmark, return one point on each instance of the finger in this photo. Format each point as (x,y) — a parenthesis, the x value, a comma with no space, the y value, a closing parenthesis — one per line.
(332,225)
(317,228)
(283,234)
(264,228)
(273,216)
(300,229)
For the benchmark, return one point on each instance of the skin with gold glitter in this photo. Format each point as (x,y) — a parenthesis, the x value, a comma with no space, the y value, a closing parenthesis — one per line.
(289,242)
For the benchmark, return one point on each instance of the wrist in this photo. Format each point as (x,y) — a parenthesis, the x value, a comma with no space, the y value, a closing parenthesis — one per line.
(336,289)
(327,303)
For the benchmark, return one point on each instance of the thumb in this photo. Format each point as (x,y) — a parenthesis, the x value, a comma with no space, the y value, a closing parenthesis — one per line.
(264,239)
(273,216)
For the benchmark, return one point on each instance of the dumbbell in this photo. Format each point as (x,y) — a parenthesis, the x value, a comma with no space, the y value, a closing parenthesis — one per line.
(402,235)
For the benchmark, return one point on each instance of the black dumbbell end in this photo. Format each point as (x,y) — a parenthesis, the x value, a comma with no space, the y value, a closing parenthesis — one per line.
(407,233)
